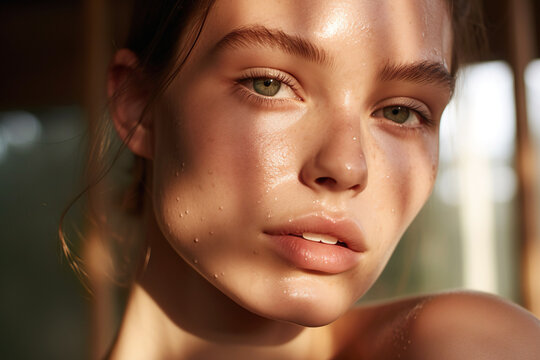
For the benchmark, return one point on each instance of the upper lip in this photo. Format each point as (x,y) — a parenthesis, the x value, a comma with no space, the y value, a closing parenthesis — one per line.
(345,230)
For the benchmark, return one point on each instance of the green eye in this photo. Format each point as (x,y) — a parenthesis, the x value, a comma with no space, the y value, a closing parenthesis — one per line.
(397,114)
(266,86)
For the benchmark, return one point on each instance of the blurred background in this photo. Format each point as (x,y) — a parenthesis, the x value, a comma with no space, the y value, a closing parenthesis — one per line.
(478,231)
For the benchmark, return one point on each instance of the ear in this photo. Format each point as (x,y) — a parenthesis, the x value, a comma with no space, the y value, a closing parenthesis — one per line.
(128,95)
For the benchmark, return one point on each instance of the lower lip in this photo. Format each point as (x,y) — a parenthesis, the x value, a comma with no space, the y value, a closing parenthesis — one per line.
(314,256)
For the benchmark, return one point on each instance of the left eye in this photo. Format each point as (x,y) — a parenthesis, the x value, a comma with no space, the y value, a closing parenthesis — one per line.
(266,86)
(399,114)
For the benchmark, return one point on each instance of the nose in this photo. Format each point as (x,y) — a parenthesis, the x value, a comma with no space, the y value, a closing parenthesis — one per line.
(337,165)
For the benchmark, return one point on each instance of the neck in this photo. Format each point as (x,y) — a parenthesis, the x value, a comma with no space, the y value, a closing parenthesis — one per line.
(175,312)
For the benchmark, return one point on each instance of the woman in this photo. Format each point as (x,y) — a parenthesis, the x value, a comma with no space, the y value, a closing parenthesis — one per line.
(287,146)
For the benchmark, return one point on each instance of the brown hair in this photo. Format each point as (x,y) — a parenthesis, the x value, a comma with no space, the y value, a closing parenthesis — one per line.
(157,30)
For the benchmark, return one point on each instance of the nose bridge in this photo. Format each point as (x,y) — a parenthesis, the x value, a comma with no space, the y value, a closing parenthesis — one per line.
(338,163)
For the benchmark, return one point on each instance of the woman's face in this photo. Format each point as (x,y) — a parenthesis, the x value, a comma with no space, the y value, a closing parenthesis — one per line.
(294,122)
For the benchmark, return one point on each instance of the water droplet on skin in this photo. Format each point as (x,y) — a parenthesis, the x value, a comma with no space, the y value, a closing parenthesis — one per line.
(211,232)
(177,198)
(186,212)
(269,216)
(290,220)
(183,165)
(305,258)
(215,276)
(387,176)
(222,273)
(220,208)
(393,210)
(258,201)
(181,215)
(196,240)
(348,167)
(210,172)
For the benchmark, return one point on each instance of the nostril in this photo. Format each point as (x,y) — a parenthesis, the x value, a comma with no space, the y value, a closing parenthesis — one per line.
(325,181)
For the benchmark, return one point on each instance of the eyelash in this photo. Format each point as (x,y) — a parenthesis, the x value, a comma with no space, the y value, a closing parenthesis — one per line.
(261,100)
(412,105)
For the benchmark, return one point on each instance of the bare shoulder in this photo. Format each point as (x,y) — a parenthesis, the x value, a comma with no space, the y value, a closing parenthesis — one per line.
(470,325)
(459,325)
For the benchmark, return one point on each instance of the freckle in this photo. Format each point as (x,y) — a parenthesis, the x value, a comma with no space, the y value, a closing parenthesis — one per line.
(213,185)
(196,240)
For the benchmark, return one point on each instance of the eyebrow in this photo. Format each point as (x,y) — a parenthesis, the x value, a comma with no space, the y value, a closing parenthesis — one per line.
(258,35)
(423,72)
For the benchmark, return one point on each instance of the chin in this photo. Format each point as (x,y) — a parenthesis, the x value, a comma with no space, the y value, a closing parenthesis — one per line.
(312,307)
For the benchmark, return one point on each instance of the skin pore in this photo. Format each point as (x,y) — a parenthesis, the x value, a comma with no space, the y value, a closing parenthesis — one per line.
(288,117)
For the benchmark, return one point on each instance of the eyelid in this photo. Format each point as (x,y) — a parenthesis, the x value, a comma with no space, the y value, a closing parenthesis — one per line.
(417,106)
(279,75)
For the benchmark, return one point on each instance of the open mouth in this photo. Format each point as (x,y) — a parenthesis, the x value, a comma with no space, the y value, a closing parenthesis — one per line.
(321,238)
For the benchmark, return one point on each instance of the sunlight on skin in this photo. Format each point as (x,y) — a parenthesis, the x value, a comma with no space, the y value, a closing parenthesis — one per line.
(230,167)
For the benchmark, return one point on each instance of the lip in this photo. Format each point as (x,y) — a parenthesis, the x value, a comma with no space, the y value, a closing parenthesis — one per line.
(288,243)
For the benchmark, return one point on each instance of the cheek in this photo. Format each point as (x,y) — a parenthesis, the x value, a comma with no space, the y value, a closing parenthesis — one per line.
(402,172)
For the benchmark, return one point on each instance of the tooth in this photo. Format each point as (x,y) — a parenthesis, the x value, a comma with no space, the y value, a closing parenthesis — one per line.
(327,239)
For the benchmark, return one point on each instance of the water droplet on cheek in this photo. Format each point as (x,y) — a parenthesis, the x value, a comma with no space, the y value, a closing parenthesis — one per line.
(211,233)
(186,212)
(196,261)
(196,240)
(220,208)
(215,276)
(177,198)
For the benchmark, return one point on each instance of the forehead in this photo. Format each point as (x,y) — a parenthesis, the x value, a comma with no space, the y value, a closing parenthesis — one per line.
(364,31)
